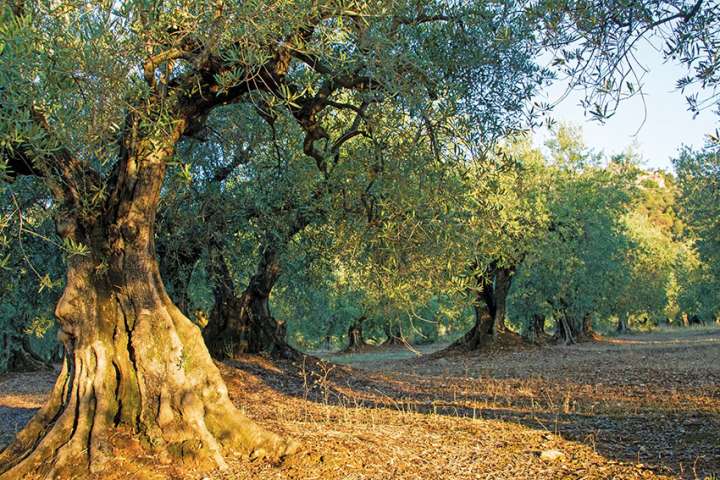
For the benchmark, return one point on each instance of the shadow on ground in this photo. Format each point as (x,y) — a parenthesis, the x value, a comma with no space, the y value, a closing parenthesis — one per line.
(641,406)
(640,399)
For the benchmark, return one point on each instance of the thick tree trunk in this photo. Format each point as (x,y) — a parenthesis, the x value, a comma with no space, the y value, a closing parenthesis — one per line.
(622,326)
(133,362)
(245,324)
(356,341)
(586,329)
(482,331)
(490,302)
(503,280)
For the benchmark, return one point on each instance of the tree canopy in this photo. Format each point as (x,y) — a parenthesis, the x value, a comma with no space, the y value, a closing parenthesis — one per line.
(365,157)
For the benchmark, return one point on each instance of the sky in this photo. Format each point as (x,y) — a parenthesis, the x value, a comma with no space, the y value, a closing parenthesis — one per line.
(668,124)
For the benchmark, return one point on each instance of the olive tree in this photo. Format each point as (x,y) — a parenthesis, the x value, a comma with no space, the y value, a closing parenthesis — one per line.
(97,98)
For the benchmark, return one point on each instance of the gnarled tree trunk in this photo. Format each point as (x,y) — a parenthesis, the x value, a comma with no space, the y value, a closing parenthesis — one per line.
(500,290)
(133,362)
(178,271)
(482,331)
(490,308)
(572,330)
(586,331)
(244,324)
(19,354)
(356,341)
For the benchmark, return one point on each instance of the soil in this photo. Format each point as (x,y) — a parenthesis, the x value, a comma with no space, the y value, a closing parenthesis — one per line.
(633,406)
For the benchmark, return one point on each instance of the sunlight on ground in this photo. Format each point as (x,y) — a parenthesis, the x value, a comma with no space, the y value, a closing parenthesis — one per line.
(635,406)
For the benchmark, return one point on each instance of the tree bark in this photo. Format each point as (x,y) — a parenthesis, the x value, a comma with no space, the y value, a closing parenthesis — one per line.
(20,356)
(500,290)
(356,341)
(245,324)
(16,352)
(133,362)
(586,331)
(565,331)
(622,326)
(394,335)
(490,307)
(482,331)
(536,329)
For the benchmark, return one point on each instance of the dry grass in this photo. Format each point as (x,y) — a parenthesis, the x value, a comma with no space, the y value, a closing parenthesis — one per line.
(643,406)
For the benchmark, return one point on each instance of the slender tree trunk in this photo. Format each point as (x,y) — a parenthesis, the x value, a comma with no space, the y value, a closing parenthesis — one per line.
(245,324)
(503,281)
(564,331)
(539,321)
(133,362)
(394,335)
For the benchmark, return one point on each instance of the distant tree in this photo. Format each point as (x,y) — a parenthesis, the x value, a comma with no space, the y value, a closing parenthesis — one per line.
(31,270)
(100,115)
(506,215)
(98,98)
(699,183)
(576,270)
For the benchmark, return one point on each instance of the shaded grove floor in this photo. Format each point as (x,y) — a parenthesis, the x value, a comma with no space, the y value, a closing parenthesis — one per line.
(638,406)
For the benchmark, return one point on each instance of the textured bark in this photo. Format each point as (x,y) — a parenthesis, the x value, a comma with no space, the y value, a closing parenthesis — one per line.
(244,324)
(482,331)
(500,290)
(356,341)
(490,309)
(133,362)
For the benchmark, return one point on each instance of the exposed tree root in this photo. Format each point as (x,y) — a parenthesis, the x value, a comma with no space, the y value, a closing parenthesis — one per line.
(476,342)
(146,371)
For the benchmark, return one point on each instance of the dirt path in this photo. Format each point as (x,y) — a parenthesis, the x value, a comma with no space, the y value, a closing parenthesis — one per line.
(642,406)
